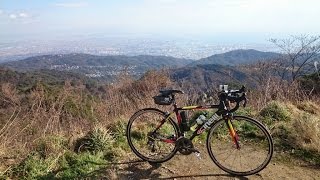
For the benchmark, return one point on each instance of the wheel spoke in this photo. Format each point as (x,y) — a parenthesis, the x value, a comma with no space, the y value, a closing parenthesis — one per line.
(146,143)
(255,143)
(224,160)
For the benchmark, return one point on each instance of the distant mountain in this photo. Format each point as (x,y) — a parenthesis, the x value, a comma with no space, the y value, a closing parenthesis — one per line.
(218,68)
(96,66)
(236,57)
(204,77)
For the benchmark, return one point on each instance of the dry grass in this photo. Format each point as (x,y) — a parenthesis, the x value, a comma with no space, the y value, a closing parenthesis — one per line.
(307,128)
(276,89)
(306,125)
(48,120)
(124,97)
(310,107)
(37,121)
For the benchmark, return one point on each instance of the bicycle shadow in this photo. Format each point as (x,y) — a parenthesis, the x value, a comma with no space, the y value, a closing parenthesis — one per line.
(135,169)
(143,170)
(205,175)
(139,169)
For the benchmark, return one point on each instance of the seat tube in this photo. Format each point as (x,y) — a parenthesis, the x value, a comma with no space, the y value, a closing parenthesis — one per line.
(176,111)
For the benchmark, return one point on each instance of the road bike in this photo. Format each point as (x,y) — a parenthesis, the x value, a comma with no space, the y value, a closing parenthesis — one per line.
(239,145)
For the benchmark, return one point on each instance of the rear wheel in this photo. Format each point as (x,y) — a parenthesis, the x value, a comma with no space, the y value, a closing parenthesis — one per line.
(255,146)
(151,135)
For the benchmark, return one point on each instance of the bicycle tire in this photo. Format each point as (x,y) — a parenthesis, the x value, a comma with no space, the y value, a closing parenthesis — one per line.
(130,133)
(252,135)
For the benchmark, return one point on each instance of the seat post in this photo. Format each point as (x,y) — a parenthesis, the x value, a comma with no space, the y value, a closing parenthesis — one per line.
(173,100)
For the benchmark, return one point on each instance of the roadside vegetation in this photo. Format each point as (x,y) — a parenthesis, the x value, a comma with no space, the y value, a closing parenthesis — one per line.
(74,130)
(69,132)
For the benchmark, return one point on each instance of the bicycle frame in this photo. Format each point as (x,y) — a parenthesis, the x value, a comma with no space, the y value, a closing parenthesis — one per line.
(162,130)
(200,129)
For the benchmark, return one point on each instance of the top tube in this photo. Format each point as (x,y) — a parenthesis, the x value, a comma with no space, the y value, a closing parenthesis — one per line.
(215,106)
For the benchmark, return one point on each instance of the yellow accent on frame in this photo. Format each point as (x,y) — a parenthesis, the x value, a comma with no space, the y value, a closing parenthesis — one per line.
(188,107)
(231,128)
(171,114)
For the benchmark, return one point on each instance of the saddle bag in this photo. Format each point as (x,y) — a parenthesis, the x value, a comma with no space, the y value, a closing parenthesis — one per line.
(162,100)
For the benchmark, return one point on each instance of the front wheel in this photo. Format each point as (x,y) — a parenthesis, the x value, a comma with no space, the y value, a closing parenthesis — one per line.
(247,152)
(151,135)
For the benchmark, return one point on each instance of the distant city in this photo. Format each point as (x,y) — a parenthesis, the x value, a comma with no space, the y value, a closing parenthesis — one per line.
(180,48)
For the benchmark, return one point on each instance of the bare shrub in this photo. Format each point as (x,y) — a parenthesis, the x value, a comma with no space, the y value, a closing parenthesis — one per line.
(124,97)
(9,94)
(269,85)
(29,120)
(299,54)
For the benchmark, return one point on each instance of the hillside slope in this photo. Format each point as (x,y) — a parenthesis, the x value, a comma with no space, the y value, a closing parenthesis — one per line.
(236,57)
(97,66)
(203,77)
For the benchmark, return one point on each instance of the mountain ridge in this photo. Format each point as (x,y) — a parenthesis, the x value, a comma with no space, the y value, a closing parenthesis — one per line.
(96,66)
(107,67)
(204,77)
(236,57)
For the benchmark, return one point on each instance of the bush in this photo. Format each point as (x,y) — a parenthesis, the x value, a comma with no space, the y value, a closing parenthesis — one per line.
(51,145)
(98,140)
(64,166)
(73,166)
(34,167)
(299,137)
(247,111)
(307,132)
(275,111)
(118,130)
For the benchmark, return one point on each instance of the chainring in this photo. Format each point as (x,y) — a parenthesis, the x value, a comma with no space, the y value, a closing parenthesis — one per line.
(185,146)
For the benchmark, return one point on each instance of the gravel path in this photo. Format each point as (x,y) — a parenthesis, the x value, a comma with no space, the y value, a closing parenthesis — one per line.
(191,167)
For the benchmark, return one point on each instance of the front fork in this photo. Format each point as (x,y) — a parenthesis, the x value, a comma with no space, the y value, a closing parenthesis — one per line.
(232,131)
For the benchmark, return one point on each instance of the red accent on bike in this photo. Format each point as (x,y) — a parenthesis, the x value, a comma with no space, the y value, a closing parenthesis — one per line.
(235,138)
(201,130)
(169,141)
(178,118)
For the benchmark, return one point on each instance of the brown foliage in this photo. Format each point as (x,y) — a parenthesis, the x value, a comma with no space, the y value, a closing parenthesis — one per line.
(70,110)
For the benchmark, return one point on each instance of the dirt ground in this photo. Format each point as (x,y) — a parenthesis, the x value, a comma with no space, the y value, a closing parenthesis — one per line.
(191,167)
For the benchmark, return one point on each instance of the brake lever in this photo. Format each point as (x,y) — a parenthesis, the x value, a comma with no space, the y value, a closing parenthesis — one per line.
(243,89)
(245,102)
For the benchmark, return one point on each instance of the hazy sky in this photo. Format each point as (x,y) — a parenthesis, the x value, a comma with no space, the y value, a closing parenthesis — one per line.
(45,19)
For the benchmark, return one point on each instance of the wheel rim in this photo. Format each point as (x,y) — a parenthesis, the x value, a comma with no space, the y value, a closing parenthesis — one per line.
(255,147)
(147,145)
